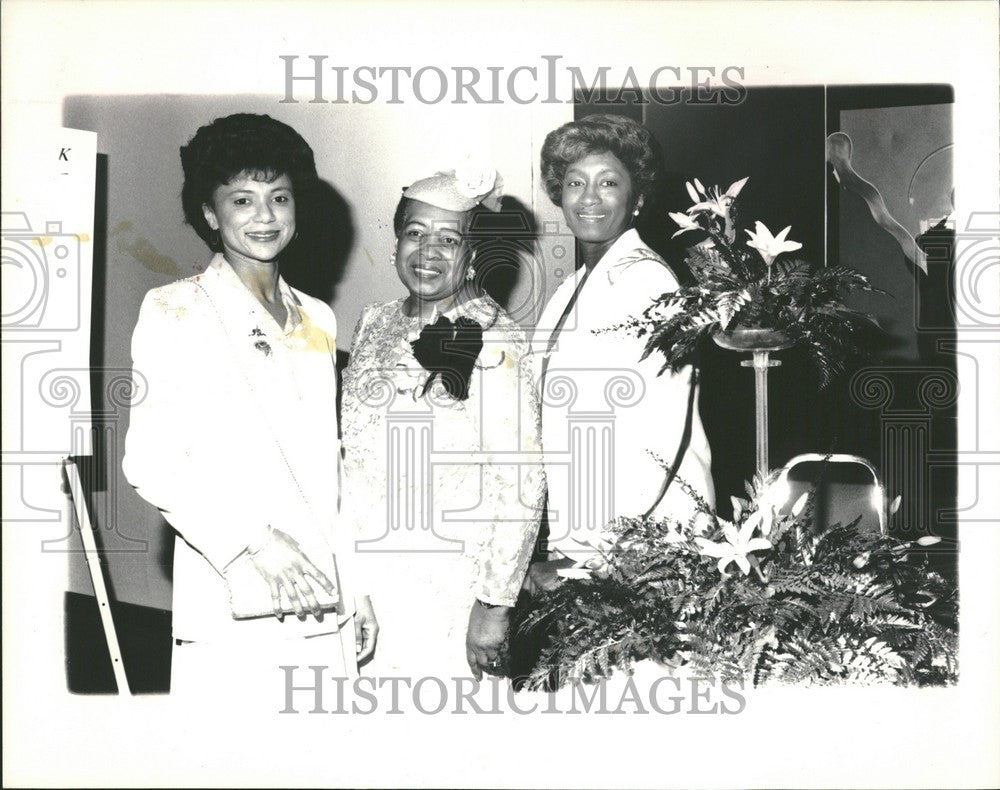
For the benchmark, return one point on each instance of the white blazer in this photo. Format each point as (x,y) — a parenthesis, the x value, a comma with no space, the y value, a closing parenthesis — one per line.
(234,429)
(605,413)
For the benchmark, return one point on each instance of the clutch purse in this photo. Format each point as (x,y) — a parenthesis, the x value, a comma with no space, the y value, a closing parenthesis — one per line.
(250,596)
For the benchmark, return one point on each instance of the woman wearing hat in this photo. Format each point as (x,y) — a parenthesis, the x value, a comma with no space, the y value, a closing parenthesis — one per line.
(440,431)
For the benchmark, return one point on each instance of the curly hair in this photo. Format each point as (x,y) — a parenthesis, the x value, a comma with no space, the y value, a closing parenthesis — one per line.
(242,143)
(597,134)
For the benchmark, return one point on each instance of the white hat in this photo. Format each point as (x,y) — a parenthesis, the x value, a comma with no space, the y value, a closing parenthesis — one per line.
(460,189)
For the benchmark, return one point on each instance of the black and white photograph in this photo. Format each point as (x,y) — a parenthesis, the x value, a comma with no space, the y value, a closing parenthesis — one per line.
(500,394)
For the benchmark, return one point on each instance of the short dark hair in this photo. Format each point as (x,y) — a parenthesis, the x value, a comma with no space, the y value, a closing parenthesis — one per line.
(597,134)
(255,144)
(399,217)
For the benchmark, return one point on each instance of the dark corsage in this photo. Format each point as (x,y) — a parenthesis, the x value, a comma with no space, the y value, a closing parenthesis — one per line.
(449,351)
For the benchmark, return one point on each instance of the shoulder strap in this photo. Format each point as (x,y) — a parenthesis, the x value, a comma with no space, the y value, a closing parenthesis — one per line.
(554,337)
(681,448)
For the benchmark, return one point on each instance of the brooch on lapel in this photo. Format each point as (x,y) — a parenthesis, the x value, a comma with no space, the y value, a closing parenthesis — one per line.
(261,345)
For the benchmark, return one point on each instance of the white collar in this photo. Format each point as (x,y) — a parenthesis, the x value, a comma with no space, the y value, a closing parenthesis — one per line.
(626,250)
(227,276)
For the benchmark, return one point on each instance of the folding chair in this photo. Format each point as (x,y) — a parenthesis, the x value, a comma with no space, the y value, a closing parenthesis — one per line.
(843,487)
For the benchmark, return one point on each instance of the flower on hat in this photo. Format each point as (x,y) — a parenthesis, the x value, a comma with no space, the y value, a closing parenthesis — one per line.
(474,179)
(492,201)
(480,182)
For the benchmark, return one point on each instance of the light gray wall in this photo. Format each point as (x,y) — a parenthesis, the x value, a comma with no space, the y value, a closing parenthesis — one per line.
(367,153)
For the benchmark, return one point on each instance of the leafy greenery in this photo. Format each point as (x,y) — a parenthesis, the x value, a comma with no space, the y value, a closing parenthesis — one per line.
(820,607)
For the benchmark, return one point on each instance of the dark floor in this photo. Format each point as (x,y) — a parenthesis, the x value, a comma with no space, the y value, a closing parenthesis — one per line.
(143,637)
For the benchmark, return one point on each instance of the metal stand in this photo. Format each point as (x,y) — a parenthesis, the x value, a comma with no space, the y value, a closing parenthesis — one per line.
(760,363)
(96,575)
(761,343)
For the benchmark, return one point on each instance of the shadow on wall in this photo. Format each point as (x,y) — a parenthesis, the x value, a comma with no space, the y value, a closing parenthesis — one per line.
(506,245)
(316,261)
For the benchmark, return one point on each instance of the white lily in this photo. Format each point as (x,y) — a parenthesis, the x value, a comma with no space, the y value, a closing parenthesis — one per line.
(599,540)
(762,517)
(596,563)
(739,543)
(694,193)
(716,201)
(770,247)
(578,574)
(686,222)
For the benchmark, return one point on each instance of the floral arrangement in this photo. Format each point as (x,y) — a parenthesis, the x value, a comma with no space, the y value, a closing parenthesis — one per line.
(753,283)
(764,598)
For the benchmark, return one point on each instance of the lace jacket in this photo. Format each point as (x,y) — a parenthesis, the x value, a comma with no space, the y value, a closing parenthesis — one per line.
(427,473)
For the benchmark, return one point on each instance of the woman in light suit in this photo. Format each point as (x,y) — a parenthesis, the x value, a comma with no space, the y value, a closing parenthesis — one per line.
(235,439)
(605,413)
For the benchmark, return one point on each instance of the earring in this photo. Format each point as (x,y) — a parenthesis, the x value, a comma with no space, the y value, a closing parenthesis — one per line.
(392,259)
(214,238)
(636,212)
(470,273)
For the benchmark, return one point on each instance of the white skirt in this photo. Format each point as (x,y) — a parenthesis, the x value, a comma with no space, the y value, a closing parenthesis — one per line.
(256,674)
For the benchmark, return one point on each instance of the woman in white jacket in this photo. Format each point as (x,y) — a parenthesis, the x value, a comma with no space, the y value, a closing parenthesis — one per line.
(607,416)
(235,439)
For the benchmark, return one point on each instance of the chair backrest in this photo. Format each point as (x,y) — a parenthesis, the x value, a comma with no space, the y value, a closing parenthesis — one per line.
(844,486)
